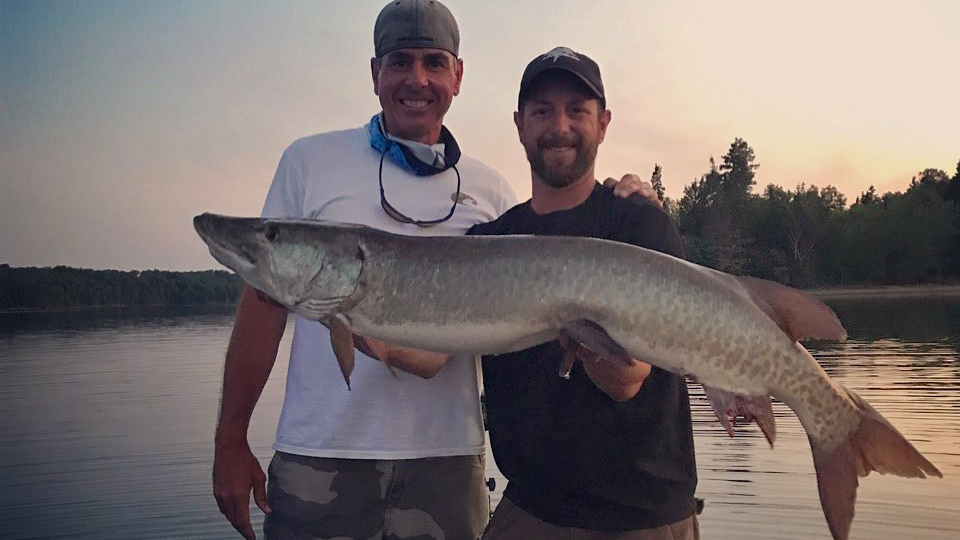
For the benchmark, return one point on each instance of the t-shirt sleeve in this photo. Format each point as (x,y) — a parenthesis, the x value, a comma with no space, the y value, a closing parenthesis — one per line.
(285,197)
(505,224)
(486,229)
(644,224)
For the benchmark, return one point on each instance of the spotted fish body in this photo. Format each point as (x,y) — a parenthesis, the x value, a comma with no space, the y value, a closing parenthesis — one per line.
(490,295)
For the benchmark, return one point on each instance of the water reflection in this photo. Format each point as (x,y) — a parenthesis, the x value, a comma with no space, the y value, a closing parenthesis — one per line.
(107,420)
(107,417)
(912,375)
(79,320)
(924,319)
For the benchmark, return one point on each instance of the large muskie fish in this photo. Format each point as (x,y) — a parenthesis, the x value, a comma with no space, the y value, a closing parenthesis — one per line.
(488,295)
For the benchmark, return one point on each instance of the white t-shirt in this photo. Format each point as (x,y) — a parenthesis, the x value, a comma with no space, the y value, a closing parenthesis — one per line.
(334,176)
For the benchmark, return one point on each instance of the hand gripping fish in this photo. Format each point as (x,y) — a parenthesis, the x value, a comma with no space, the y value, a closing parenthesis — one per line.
(489,295)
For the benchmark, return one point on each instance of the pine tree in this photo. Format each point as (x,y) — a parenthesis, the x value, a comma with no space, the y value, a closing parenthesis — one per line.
(656,181)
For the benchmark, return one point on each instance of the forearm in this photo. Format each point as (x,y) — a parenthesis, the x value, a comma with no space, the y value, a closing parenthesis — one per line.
(422,363)
(619,382)
(257,330)
(418,362)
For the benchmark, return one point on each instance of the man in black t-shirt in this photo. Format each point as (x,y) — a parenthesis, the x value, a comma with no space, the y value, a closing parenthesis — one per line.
(608,452)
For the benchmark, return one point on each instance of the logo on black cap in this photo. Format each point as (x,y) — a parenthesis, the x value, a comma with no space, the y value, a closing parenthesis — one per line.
(558,52)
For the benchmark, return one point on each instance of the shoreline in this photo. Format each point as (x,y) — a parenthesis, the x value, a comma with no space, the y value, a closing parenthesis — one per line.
(888,291)
(73,309)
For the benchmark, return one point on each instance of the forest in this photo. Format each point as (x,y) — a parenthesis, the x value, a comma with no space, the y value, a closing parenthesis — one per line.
(63,287)
(805,237)
(808,237)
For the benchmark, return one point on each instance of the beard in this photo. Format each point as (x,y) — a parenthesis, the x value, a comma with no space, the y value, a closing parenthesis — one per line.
(559,175)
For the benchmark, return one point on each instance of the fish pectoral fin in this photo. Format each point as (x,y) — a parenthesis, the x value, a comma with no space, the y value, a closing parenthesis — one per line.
(729,407)
(341,338)
(800,315)
(364,345)
(594,338)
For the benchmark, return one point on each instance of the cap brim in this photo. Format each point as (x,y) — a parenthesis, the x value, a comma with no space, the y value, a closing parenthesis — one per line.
(532,79)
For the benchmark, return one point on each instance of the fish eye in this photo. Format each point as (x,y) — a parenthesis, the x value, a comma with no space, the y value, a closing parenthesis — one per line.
(271,234)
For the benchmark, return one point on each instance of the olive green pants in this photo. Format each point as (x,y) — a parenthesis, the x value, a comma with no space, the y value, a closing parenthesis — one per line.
(442,498)
(510,522)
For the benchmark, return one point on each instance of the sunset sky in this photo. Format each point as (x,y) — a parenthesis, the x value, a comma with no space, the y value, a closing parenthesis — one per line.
(121,120)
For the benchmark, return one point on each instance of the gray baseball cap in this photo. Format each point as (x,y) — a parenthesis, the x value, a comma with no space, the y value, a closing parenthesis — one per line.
(415,24)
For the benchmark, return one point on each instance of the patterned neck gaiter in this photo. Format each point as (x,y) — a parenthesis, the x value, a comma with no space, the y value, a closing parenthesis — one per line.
(405,158)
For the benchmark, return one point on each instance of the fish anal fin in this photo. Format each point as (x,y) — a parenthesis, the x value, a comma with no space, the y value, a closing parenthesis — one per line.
(800,315)
(341,338)
(751,408)
(720,401)
(594,338)
(875,446)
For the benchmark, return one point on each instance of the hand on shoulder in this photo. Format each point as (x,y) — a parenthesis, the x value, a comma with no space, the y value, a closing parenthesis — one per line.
(630,184)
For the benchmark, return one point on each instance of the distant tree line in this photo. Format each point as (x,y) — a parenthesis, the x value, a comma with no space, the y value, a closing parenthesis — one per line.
(807,236)
(804,237)
(64,287)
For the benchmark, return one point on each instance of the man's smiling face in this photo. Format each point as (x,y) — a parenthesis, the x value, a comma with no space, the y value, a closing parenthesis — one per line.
(561,124)
(416,88)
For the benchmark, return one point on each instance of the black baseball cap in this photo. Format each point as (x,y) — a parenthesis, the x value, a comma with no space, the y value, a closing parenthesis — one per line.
(565,59)
(415,24)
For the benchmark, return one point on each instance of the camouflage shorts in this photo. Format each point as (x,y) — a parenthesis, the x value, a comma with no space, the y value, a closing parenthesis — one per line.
(442,498)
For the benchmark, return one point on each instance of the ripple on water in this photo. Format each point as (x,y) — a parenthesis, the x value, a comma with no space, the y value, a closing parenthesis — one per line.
(107,425)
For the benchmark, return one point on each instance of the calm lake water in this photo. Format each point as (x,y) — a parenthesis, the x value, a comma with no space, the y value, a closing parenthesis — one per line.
(107,417)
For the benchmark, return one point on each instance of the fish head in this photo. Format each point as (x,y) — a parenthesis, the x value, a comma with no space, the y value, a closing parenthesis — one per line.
(308,266)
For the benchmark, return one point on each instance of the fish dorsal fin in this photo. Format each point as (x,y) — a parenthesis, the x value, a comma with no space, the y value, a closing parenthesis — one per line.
(797,313)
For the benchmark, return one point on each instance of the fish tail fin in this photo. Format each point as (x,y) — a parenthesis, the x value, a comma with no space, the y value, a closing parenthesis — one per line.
(874,446)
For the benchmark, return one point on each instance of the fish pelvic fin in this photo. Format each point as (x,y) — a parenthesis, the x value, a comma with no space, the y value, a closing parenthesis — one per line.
(341,338)
(566,364)
(800,315)
(592,337)
(756,408)
(874,446)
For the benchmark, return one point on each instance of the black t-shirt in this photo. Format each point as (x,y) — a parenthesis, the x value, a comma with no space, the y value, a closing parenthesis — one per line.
(573,456)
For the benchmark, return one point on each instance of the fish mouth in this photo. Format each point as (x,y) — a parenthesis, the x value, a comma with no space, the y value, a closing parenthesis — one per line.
(239,260)
(234,255)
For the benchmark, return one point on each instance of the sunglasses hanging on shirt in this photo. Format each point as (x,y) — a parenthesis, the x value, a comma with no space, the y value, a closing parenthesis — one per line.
(407,160)
(403,218)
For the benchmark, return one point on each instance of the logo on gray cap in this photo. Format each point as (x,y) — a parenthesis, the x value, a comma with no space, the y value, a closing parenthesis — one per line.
(415,24)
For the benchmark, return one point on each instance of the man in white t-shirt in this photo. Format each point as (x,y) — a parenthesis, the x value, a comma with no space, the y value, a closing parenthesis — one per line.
(392,457)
